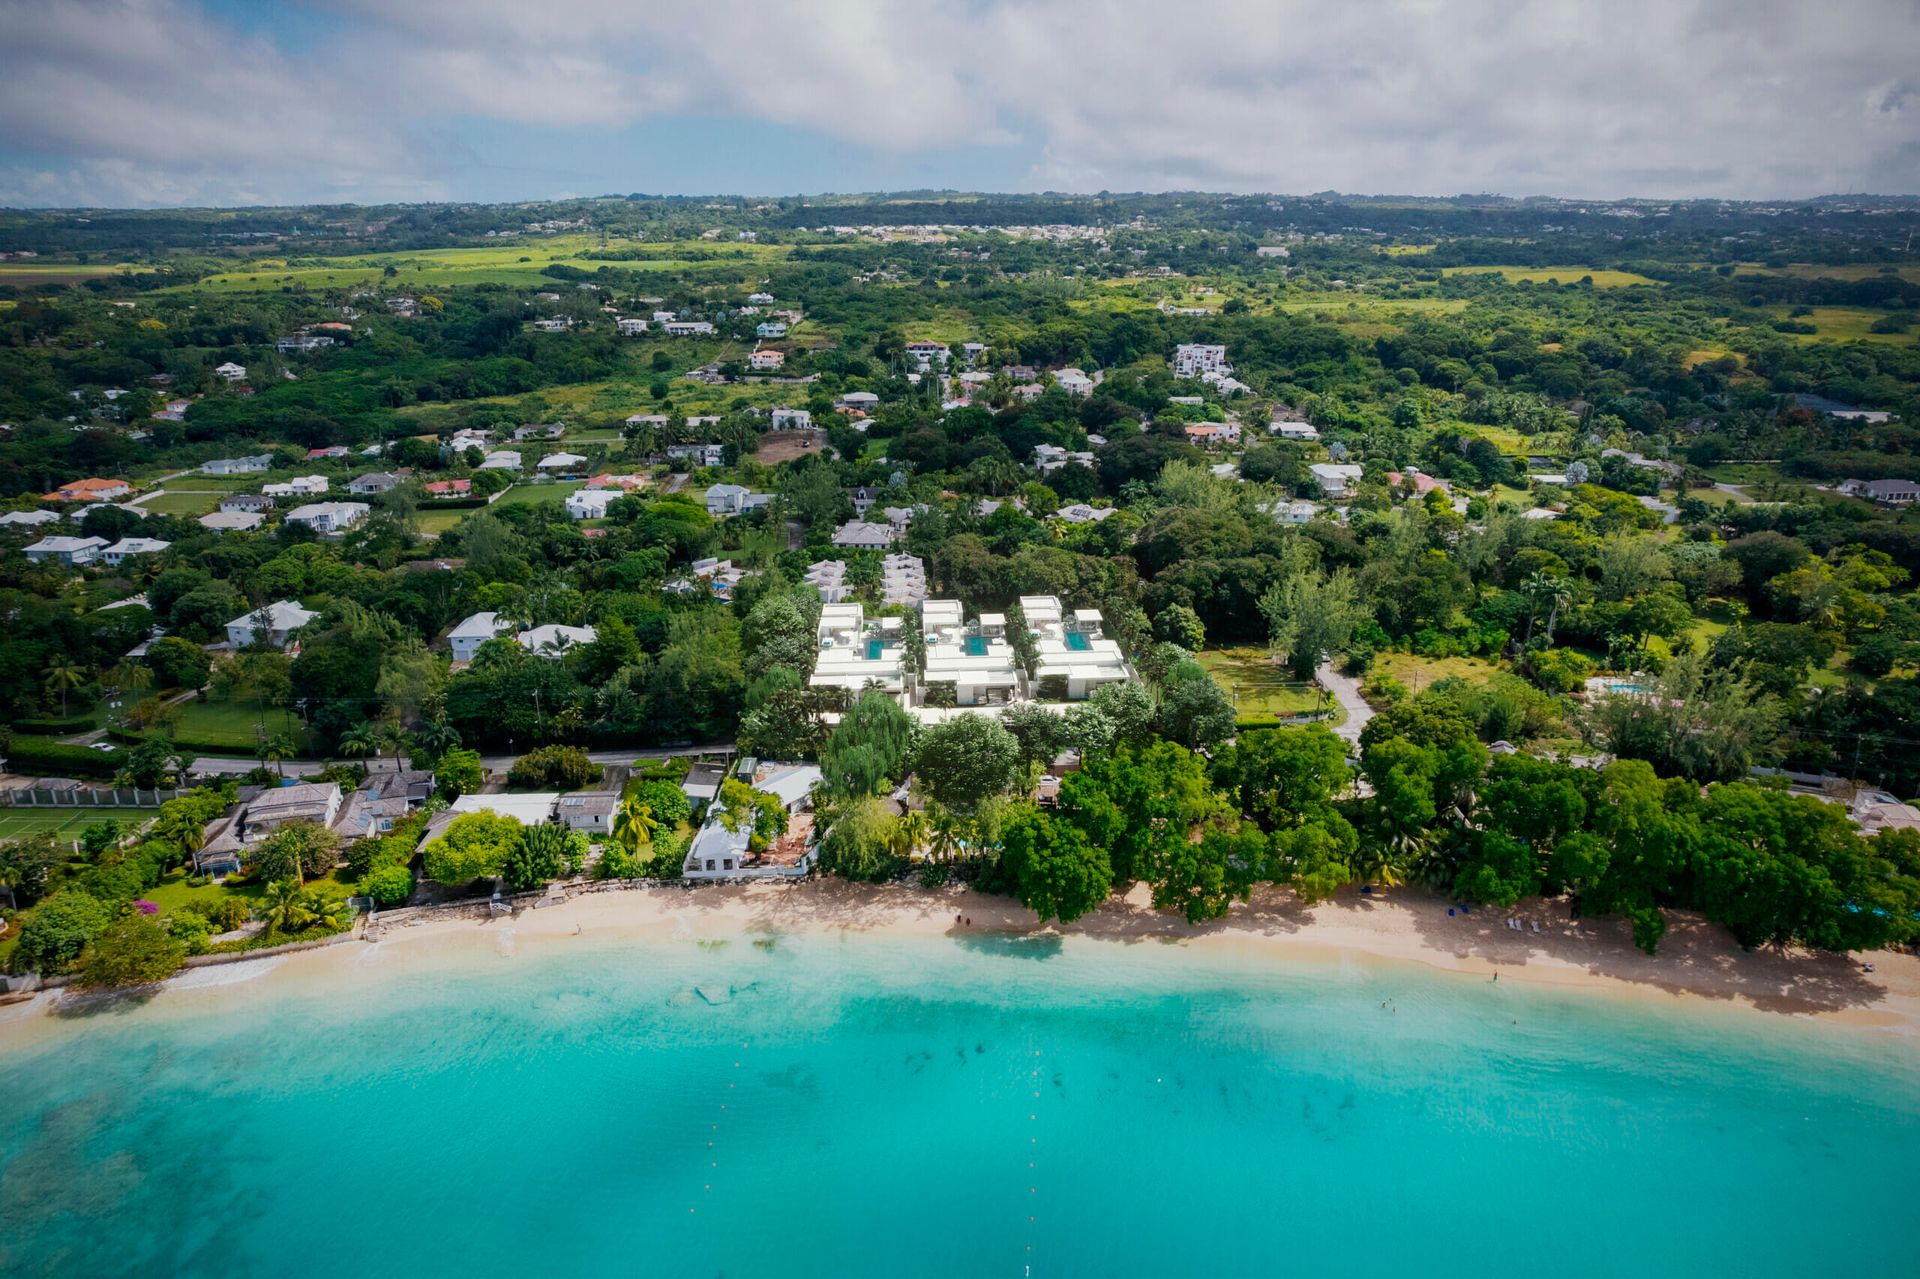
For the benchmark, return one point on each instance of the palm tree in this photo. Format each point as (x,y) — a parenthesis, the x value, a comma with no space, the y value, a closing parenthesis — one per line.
(945,836)
(437,737)
(284,907)
(361,740)
(129,677)
(634,825)
(178,826)
(63,676)
(279,748)
(1554,592)
(910,832)
(323,910)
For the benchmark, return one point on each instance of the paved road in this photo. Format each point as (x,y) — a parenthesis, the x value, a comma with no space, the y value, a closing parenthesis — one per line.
(1346,691)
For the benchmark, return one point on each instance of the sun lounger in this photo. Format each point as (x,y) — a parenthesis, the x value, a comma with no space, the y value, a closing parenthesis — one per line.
(1536,925)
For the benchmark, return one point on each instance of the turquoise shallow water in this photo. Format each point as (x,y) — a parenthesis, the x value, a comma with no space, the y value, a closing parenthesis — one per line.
(869,1107)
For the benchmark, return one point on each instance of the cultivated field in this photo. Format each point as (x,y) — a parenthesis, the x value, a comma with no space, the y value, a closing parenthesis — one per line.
(1555,275)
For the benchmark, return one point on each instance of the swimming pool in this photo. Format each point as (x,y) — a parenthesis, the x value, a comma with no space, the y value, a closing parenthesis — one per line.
(1078,641)
(976,646)
(875,648)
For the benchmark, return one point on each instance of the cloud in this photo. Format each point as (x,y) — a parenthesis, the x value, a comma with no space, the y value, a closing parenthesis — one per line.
(153,101)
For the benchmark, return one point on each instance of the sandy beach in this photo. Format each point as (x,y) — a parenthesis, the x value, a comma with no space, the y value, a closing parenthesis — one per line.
(1697,961)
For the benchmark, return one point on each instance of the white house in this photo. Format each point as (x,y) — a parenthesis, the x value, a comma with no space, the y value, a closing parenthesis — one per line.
(560,462)
(131,547)
(539,431)
(924,355)
(465,639)
(591,811)
(1336,479)
(686,328)
(249,503)
(1209,434)
(231,372)
(1075,655)
(1292,512)
(302,344)
(1293,429)
(1051,457)
(71,551)
(376,482)
(733,499)
(630,326)
(861,535)
(29,519)
(271,625)
(770,329)
(829,577)
(760,299)
(718,852)
(1195,359)
(903,579)
(697,454)
(554,640)
(864,401)
(299,486)
(329,518)
(238,465)
(1885,492)
(768,359)
(1073,381)
(790,419)
(592,504)
(1081,513)
(501,460)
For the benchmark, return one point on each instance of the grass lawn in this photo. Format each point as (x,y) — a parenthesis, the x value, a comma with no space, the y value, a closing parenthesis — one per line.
(1262,690)
(531,494)
(232,725)
(1423,672)
(1844,324)
(67,823)
(427,269)
(438,522)
(173,892)
(1551,274)
(175,502)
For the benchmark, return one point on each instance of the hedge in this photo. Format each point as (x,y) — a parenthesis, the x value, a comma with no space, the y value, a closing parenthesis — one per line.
(193,746)
(54,759)
(54,727)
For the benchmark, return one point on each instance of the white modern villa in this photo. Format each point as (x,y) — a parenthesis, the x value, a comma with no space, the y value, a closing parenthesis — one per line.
(856,653)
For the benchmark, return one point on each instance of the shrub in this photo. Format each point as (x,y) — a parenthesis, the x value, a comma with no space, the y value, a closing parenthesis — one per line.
(223,914)
(297,850)
(54,759)
(1559,670)
(134,950)
(537,856)
(389,886)
(58,930)
(668,803)
(474,845)
(192,929)
(553,767)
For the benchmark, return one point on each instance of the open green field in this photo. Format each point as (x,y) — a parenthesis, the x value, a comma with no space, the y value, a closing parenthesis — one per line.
(1820,271)
(616,399)
(1260,688)
(26,274)
(1846,324)
(179,502)
(173,893)
(519,263)
(437,522)
(233,726)
(67,823)
(1423,672)
(533,494)
(1602,279)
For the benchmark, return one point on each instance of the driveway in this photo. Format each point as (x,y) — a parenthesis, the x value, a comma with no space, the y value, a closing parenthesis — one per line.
(1346,691)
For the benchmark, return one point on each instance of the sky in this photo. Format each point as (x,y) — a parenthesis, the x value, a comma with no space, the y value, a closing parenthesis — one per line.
(231,102)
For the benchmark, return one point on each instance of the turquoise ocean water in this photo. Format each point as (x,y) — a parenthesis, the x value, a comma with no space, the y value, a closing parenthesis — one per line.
(920,1107)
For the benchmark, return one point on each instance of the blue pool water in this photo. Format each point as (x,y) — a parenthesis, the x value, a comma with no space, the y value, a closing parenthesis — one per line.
(875,648)
(939,1107)
(976,646)
(1078,642)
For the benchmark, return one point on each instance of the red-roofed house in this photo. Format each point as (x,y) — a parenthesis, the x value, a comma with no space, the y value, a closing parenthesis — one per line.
(91,490)
(1205,433)
(450,488)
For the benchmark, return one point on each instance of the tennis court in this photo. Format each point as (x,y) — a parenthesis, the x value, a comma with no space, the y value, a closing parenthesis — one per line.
(67,822)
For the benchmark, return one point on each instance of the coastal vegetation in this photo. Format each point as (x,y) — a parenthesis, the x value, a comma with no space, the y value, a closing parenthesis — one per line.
(1629,621)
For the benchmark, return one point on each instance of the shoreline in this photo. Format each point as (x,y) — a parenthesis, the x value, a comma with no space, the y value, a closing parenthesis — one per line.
(1697,961)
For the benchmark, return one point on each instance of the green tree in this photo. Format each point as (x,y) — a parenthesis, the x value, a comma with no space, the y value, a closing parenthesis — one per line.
(65,676)
(459,772)
(869,748)
(1312,615)
(1194,711)
(389,886)
(1285,777)
(297,851)
(536,857)
(1056,871)
(58,930)
(134,950)
(473,846)
(966,760)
